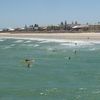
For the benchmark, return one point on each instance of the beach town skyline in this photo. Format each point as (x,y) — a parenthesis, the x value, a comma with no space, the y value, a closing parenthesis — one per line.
(62,27)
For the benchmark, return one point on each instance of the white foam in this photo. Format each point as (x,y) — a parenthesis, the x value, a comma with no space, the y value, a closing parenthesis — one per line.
(67,44)
(27,41)
(18,41)
(7,47)
(96,92)
(45,41)
(41,93)
(1,40)
(36,45)
(82,89)
(12,45)
(51,49)
(77,44)
(92,49)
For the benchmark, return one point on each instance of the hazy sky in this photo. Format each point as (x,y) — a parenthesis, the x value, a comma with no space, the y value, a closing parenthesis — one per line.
(45,12)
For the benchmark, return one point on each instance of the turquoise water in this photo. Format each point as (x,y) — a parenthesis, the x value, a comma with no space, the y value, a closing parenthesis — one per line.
(53,75)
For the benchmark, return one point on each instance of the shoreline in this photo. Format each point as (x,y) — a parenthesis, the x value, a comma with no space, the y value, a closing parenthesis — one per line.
(59,36)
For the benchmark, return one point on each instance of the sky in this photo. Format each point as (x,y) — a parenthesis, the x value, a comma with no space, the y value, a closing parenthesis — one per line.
(14,13)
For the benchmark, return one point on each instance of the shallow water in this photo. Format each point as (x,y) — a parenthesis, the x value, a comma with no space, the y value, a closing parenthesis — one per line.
(53,76)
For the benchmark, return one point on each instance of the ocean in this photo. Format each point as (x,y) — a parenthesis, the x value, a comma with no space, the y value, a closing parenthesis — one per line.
(61,70)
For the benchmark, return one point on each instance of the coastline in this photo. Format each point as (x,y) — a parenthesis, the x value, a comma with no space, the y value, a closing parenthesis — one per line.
(59,36)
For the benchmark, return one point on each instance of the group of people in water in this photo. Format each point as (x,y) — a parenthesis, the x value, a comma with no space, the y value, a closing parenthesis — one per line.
(30,61)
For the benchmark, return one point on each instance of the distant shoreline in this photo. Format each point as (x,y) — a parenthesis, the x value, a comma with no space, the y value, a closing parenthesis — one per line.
(65,36)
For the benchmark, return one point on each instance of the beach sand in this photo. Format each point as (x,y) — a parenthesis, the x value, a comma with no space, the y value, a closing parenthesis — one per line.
(65,36)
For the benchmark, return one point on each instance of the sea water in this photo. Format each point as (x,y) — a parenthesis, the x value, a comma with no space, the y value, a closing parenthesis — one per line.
(62,70)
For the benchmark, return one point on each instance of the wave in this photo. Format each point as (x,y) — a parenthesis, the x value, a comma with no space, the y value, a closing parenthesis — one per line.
(63,41)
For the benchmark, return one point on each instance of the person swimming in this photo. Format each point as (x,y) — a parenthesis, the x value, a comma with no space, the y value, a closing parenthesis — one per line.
(75,51)
(28,61)
(69,58)
(76,44)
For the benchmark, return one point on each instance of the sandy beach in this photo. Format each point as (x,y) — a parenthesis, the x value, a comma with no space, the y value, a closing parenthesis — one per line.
(65,36)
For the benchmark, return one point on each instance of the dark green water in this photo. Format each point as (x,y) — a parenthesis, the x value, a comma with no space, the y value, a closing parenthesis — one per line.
(53,76)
